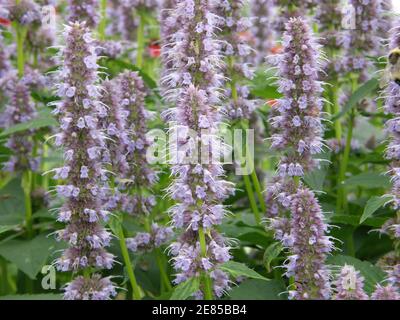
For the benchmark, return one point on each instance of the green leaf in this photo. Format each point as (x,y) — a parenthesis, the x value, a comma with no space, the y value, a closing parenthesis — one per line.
(12,206)
(354,220)
(44,119)
(28,256)
(186,289)
(371,273)
(369,180)
(271,253)
(374,204)
(7,228)
(237,269)
(357,96)
(315,179)
(253,289)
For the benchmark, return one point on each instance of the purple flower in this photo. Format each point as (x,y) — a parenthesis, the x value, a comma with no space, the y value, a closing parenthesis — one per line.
(297,128)
(83,208)
(25,12)
(263,12)
(194,81)
(87,11)
(93,288)
(19,109)
(350,285)
(310,248)
(385,293)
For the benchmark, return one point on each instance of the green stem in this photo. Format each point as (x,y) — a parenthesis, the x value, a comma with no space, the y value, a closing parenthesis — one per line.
(103,21)
(26,186)
(208,295)
(335,110)
(136,295)
(20,32)
(163,273)
(140,40)
(252,199)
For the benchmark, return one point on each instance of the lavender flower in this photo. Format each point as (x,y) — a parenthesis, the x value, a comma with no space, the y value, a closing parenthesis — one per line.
(87,11)
(310,248)
(147,241)
(350,285)
(82,141)
(298,125)
(363,40)
(385,293)
(94,288)
(25,12)
(5,64)
(263,12)
(114,124)
(198,188)
(236,48)
(19,109)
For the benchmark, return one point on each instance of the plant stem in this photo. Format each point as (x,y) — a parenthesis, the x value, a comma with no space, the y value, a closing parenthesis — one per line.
(252,199)
(140,40)
(335,110)
(20,33)
(136,295)
(208,295)
(163,273)
(103,21)
(26,186)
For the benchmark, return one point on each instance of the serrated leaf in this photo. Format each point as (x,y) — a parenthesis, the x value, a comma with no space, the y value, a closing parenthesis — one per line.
(29,256)
(44,119)
(372,274)
(271,253)
(369,180)
(237,269)
(186,289)
(363,91)
(253,289)
(374,204)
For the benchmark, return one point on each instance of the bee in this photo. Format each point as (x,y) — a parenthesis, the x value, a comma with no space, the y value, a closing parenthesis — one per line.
(393,67)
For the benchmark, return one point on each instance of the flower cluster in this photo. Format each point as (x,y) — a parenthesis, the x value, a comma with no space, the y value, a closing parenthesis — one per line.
(309,249)
(147,241)
(87,11)
(198,188)
(298,124)
(363,40)
(350,285)
(83,171)
(5,64)
(94,288)
(235,31)
(329,18)
(385,293)
(262,28)
(25,12)
(19,109)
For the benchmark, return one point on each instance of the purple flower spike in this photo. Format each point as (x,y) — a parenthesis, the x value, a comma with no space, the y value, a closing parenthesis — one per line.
(385,293)
(194,81)
(298,125)
(350,285)
(83,142)
(87,11)
(310,248)
(238,51)
(19,109)
(263,12)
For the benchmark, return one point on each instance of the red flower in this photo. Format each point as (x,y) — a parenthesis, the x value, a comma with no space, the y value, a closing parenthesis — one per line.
(154,50)
(4,22)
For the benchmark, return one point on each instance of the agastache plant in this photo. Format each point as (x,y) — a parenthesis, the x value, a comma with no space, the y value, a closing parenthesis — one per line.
(262,12)
(198,188)
(87,11)
(235,31)
(363,40)
(83,171)
(297,131)
(392,107)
